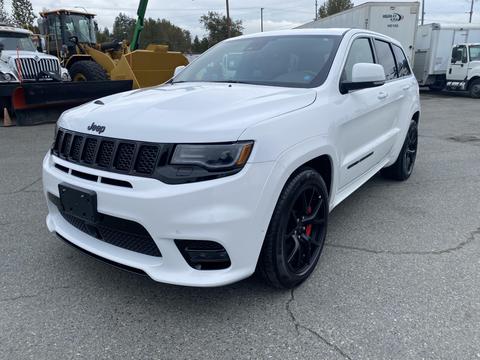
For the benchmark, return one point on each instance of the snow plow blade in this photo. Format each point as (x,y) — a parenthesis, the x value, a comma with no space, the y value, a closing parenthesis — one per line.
(40,103)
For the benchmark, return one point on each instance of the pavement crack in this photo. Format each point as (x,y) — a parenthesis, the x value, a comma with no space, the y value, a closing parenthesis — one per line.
(458,247)
(24,188)
(29,296)
(299,325)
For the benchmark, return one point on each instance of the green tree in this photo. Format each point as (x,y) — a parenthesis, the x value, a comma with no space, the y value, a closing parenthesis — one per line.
(216,25)
(331,7)
(22,13)
(103,36)
(123,27)
(4,17)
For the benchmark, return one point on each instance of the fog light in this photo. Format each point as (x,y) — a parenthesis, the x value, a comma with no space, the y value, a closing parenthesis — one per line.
(204,255)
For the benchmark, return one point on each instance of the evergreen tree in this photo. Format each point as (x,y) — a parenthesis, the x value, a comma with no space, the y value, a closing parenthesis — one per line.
(217,27)
(103,36)
(123,27)
(4,17)
(331,7)
(22,13)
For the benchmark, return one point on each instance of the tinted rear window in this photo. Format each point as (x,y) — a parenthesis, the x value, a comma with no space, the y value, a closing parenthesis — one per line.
(386,59)
(402,63)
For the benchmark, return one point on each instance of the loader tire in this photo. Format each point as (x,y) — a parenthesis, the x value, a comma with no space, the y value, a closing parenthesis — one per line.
(87,71)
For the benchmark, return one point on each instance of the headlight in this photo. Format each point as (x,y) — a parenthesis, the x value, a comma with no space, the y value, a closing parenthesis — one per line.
(6,77)
(66,76)
(213,157)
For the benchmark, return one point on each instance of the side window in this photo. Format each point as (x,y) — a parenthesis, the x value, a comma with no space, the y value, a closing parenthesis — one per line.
(360,52)
(386,59)
(402,63)
(459,54)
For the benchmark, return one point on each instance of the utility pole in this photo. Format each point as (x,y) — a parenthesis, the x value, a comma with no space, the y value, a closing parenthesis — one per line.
(229,22)
(471,12)
(261,19)
(423,11)
(316,10)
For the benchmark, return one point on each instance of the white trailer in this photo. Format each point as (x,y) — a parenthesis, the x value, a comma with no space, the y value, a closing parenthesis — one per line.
(398,20)
(433,50)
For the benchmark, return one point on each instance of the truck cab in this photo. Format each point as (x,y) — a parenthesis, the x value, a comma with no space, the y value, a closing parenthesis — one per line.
(464,69)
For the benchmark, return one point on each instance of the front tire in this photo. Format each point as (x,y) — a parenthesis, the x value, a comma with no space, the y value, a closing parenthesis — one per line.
(403,167)
(87,70)
(297,231)
(474,89)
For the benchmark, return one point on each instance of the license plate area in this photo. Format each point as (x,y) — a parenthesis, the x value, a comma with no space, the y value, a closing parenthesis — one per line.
(79,202)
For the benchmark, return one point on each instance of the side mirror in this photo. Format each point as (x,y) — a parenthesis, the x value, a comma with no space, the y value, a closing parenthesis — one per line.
(178,70)
(364,76)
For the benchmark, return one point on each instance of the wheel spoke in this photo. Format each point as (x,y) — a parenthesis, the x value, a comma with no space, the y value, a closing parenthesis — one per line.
(295,250)
(311,218)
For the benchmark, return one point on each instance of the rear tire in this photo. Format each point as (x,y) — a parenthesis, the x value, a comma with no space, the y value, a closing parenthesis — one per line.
(87,71)
(474,89)
(403,167)
(297,231)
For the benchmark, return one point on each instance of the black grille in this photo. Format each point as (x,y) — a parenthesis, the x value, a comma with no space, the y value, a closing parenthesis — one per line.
(146,160)
(105,153)
(115,155)
(76,147)
(89,151)
(123,233)
(125,153)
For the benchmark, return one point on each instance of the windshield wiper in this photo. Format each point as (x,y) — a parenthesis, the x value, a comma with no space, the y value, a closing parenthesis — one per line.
(231,81)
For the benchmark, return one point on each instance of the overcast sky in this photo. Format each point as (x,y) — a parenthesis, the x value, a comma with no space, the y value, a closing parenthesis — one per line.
(278,14)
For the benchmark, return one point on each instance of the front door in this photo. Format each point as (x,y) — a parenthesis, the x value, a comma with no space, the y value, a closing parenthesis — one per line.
(458,68)
(365,134)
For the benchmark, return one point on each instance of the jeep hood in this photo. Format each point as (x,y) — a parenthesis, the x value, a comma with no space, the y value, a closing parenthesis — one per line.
(190,112)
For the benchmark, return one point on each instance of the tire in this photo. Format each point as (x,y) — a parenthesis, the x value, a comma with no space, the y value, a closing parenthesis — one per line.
(292,247)
(87,71)
(403,167)
(474,89)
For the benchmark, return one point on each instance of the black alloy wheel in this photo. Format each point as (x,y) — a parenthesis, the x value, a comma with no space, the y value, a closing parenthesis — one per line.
(403,167)
(297,231)
(410,153)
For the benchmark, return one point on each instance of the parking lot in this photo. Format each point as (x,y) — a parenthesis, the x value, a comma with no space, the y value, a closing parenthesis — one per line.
(398,279)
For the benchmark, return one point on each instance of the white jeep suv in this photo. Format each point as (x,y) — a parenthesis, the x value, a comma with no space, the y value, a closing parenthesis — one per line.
(234,164)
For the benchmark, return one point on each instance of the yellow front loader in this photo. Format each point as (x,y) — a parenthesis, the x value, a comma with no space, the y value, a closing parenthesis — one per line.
(97,70)
(70,35)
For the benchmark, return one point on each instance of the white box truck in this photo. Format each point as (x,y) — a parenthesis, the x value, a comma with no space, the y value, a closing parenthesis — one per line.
(398,20)
(436,62)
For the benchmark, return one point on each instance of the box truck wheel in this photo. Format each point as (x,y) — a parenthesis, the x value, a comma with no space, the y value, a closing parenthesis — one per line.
(474,89)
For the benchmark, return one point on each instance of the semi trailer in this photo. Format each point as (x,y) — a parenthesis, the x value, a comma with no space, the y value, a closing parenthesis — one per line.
(398,20)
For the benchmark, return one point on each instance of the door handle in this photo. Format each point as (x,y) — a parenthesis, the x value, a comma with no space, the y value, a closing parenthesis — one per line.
(382,95)
(406,87)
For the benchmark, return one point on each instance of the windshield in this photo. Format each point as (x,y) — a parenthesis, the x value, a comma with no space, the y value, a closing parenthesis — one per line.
(475,53)
(14,41)
(290,61)
(80,26)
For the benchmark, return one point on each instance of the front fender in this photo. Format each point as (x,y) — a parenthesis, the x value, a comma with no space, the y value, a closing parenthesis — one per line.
(286,164)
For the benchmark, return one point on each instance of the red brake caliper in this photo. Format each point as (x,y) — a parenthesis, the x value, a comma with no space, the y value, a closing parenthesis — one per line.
(308,228)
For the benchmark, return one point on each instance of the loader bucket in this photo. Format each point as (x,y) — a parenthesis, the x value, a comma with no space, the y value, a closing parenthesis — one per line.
(148,67)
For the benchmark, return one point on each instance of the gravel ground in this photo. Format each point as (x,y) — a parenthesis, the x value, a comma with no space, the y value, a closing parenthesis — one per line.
(399,278)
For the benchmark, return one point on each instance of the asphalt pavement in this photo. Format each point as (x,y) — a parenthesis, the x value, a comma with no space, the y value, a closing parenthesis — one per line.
(399,278)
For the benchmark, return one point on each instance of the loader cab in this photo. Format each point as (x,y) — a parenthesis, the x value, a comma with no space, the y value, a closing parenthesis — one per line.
(60,26)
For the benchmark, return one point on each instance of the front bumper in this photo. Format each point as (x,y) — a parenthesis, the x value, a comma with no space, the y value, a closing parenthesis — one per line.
(223,210)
